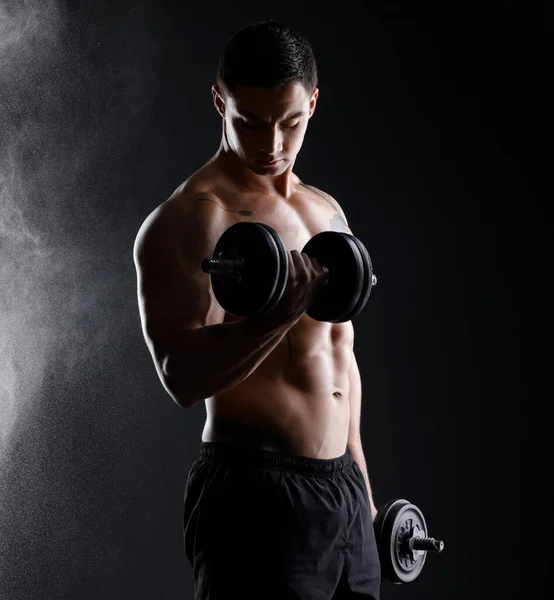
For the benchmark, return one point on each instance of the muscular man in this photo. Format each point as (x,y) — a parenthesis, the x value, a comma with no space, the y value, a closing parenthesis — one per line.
(278,504)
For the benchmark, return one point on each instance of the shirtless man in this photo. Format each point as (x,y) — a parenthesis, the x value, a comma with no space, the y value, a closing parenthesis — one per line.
(278,504)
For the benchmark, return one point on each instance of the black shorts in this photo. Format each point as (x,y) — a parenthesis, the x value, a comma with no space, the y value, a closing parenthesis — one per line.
(267,525)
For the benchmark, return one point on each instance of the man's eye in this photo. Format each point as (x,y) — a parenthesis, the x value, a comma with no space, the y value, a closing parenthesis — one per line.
(262,126)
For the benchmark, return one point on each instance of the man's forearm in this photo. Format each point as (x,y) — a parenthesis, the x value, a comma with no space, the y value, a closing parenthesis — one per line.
(358,455)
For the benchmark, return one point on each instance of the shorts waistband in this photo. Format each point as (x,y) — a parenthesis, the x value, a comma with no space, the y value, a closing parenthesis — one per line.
(254,457)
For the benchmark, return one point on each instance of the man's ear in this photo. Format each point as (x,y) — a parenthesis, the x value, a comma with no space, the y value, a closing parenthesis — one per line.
(219,103)
(313,102)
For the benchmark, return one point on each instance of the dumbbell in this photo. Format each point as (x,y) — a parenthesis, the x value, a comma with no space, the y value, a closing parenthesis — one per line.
(249,270)
(402,540)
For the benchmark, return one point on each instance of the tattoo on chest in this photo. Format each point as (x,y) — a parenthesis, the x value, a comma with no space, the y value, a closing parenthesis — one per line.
(243,213)
(338,223)
(322,194)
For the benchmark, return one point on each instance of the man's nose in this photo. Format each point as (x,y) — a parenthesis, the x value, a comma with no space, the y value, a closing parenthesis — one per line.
(272,143)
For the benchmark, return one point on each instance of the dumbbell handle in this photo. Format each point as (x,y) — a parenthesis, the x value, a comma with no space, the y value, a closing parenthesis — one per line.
(222,266)
(234,266)
(426,544)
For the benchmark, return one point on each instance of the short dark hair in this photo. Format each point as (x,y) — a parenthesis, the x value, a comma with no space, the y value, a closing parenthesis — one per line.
(266,54)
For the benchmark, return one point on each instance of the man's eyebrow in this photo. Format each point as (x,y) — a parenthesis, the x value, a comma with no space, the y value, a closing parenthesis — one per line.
(245,113)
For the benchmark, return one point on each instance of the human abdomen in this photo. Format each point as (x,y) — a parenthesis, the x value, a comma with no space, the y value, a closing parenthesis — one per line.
(297,399)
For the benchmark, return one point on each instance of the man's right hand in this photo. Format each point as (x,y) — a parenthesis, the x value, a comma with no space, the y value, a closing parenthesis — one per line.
(305,280)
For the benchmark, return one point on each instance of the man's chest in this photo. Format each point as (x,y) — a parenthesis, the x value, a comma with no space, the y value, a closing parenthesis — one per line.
(296,220)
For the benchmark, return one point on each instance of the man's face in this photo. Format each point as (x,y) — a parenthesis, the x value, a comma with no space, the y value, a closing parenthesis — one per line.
(264,125)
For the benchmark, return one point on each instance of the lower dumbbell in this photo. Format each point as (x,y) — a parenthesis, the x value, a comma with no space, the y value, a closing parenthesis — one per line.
(402,541)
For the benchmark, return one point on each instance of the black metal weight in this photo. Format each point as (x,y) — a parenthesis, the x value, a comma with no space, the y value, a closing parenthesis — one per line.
(402,540)
(283,271)
(369,279)
(247,268)
(340,254)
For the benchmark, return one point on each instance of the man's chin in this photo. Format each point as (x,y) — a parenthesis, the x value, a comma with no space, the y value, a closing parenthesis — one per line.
(261,169)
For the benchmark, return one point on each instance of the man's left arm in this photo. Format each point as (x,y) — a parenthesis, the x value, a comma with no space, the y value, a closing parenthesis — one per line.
(354,437)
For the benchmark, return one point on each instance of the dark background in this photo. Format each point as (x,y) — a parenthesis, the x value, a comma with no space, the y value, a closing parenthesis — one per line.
(428,131)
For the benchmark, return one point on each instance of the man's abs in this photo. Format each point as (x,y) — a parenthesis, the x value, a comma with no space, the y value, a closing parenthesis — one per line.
(297,400)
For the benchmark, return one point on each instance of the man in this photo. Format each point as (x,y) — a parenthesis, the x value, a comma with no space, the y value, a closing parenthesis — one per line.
(278,503)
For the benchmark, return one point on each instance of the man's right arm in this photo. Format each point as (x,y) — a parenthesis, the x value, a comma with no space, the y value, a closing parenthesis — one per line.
(213,359)
(196,354)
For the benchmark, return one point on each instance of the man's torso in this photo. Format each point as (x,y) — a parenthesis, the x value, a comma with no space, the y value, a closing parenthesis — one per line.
(297,400)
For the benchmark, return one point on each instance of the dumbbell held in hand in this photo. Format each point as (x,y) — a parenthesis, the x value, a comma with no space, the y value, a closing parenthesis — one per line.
(249,270)
(403,541)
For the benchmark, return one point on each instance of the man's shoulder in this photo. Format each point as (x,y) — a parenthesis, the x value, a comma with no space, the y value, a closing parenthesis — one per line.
(198,185)
(321,194)
(327,197)
(196,192)
(189,210)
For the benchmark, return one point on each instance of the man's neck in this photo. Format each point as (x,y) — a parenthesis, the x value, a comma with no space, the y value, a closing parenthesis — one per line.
(244,178)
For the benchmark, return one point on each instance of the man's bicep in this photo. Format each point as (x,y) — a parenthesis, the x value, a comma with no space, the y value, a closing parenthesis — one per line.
(174,294)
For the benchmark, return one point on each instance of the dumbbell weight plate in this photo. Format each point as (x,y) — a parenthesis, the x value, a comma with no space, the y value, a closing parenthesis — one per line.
(336,251)
(283,270)
(367,280)
(393,525)
(249,295)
